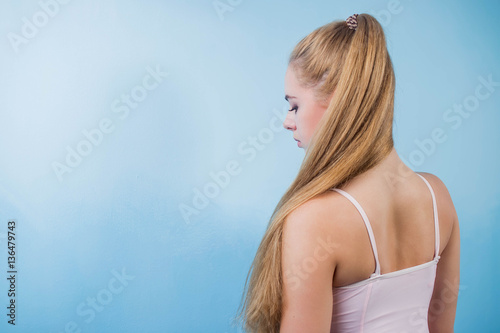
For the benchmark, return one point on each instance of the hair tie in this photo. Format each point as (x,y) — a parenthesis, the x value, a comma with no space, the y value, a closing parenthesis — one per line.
(352,21)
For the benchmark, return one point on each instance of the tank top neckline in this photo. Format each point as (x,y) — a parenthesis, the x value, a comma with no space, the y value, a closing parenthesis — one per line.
(376,275)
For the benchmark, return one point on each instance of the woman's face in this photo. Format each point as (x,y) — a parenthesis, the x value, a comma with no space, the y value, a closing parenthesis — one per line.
(306,111)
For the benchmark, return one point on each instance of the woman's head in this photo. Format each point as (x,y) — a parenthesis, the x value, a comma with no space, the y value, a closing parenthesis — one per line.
(316,58)
(345,85)
(328,55)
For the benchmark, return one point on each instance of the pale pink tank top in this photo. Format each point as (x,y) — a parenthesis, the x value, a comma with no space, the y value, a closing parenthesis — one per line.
(392,302)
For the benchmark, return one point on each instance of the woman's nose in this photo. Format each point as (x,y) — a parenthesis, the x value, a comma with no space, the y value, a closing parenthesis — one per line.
(289,123)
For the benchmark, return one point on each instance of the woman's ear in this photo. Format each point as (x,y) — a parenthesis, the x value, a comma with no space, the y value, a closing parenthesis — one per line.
(328,99)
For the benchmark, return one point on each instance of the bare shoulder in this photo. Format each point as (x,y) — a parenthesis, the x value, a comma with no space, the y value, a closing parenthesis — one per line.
(443,197)
(446,209)
(448,271)
(308,265)
(322,214)
(322,217)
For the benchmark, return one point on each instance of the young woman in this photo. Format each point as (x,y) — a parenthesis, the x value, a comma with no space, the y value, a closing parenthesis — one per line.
(359,242)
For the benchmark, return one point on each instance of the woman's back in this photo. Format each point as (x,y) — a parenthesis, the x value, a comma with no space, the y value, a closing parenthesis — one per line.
(402,221)
(396,291)
(390,302)
(419,275)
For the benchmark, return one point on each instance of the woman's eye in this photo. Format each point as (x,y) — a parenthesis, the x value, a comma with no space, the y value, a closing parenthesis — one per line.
(294,108)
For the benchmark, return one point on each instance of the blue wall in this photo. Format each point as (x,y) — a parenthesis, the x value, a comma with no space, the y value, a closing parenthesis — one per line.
(116,115)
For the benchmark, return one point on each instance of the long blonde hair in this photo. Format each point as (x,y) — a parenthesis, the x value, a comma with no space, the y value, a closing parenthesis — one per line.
(354,134)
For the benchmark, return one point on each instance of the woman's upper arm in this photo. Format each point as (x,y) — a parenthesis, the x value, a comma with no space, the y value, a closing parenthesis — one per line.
(308,267)
(442,308)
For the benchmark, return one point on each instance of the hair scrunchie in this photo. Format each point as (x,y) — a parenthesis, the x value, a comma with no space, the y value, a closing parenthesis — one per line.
(352,21)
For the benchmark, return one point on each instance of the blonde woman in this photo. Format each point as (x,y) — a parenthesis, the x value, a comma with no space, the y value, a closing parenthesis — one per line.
(358,242)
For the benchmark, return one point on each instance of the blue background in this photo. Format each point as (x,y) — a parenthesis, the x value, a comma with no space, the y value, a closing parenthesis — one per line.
(120,209)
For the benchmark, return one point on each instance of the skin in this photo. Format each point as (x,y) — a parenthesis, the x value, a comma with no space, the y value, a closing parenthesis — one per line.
(307,111)
(399,206)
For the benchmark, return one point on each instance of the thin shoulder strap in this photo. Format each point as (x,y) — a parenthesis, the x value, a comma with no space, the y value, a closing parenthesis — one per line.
(436,222)
(368,227)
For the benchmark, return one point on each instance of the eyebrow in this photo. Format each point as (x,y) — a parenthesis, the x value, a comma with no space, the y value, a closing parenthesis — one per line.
(287,97)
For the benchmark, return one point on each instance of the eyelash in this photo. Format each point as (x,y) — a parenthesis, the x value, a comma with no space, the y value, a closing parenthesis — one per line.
(294,108)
